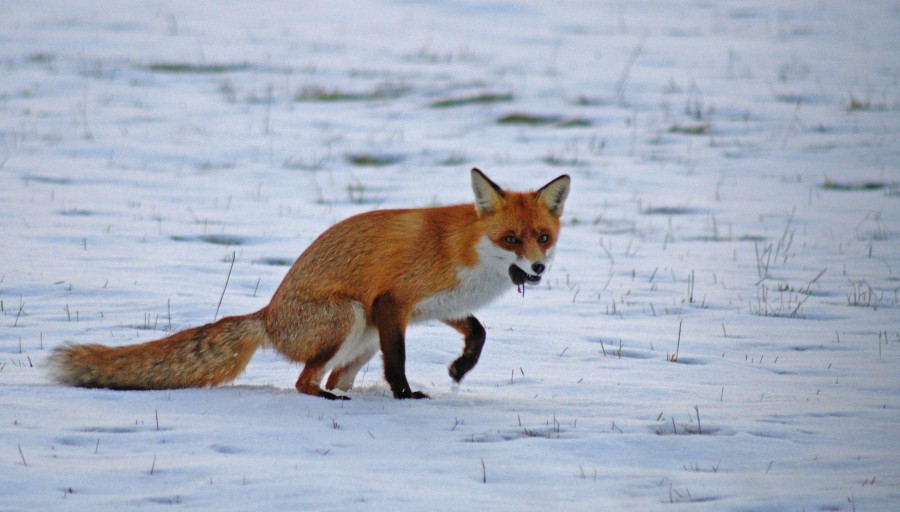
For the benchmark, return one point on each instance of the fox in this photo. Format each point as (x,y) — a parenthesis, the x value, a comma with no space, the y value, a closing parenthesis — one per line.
(352,293)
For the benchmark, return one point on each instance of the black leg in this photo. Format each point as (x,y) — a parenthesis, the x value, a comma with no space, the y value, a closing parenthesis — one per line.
(391,327)
(474,335)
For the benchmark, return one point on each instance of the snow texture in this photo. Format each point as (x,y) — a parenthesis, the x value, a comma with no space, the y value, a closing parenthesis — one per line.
(720,329)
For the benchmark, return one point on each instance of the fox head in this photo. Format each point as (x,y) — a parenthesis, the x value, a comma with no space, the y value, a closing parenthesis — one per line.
(522,227)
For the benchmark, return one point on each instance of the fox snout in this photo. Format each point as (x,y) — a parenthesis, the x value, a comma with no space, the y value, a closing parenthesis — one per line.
(520,276)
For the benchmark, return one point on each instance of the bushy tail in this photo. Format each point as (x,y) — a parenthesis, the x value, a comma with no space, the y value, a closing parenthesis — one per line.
(201,356)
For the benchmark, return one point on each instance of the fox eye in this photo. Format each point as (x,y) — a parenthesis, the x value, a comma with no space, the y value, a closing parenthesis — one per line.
(511,239)
(544,238)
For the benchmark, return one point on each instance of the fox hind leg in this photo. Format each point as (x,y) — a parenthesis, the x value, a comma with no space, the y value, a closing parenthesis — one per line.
(309,381)
(343,376)
(320,334)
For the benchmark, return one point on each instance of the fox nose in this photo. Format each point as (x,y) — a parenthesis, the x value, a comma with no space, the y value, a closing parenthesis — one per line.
(538,268)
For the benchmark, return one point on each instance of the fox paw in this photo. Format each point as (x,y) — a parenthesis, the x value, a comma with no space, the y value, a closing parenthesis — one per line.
(416,395)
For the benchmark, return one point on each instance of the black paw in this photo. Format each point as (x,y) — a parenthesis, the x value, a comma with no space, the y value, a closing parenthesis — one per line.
(459,368)
(332,396)
(415,395)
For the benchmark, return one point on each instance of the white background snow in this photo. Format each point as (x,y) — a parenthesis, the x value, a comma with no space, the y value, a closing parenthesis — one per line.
(720,329)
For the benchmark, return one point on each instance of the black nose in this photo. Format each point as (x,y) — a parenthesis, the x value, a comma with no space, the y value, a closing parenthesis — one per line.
(538,268)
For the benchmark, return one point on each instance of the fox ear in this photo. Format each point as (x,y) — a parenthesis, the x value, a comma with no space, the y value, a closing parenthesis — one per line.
(553,195)
(487,193)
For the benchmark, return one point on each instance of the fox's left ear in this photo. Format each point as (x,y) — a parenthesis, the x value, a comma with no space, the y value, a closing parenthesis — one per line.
(488,195)
(553,195)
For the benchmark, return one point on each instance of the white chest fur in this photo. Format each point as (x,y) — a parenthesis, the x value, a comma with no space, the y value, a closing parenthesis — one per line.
(478,286)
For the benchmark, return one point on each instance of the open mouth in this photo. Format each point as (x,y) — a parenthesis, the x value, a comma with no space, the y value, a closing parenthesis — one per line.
(520,277)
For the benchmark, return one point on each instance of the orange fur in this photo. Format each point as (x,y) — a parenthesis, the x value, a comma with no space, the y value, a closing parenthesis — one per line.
(352,293)
(196,357)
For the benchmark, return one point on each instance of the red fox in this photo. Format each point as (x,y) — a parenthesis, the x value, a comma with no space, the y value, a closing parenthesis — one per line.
(352,293)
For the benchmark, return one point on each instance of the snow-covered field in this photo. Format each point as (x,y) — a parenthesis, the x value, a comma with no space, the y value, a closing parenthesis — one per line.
(720,329)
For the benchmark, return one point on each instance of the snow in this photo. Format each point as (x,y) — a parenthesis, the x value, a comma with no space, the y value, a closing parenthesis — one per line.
(719,329)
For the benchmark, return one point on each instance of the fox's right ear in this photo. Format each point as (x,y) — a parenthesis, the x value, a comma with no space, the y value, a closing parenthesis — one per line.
(488,194)
(554,194)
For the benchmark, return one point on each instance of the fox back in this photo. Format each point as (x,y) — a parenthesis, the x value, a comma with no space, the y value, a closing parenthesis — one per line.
(441,263)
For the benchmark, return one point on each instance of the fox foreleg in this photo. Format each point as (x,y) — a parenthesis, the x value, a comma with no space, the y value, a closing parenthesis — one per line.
(474,335)
(390,321)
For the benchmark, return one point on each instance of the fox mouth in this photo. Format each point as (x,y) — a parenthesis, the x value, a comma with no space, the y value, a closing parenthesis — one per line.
(520,277)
